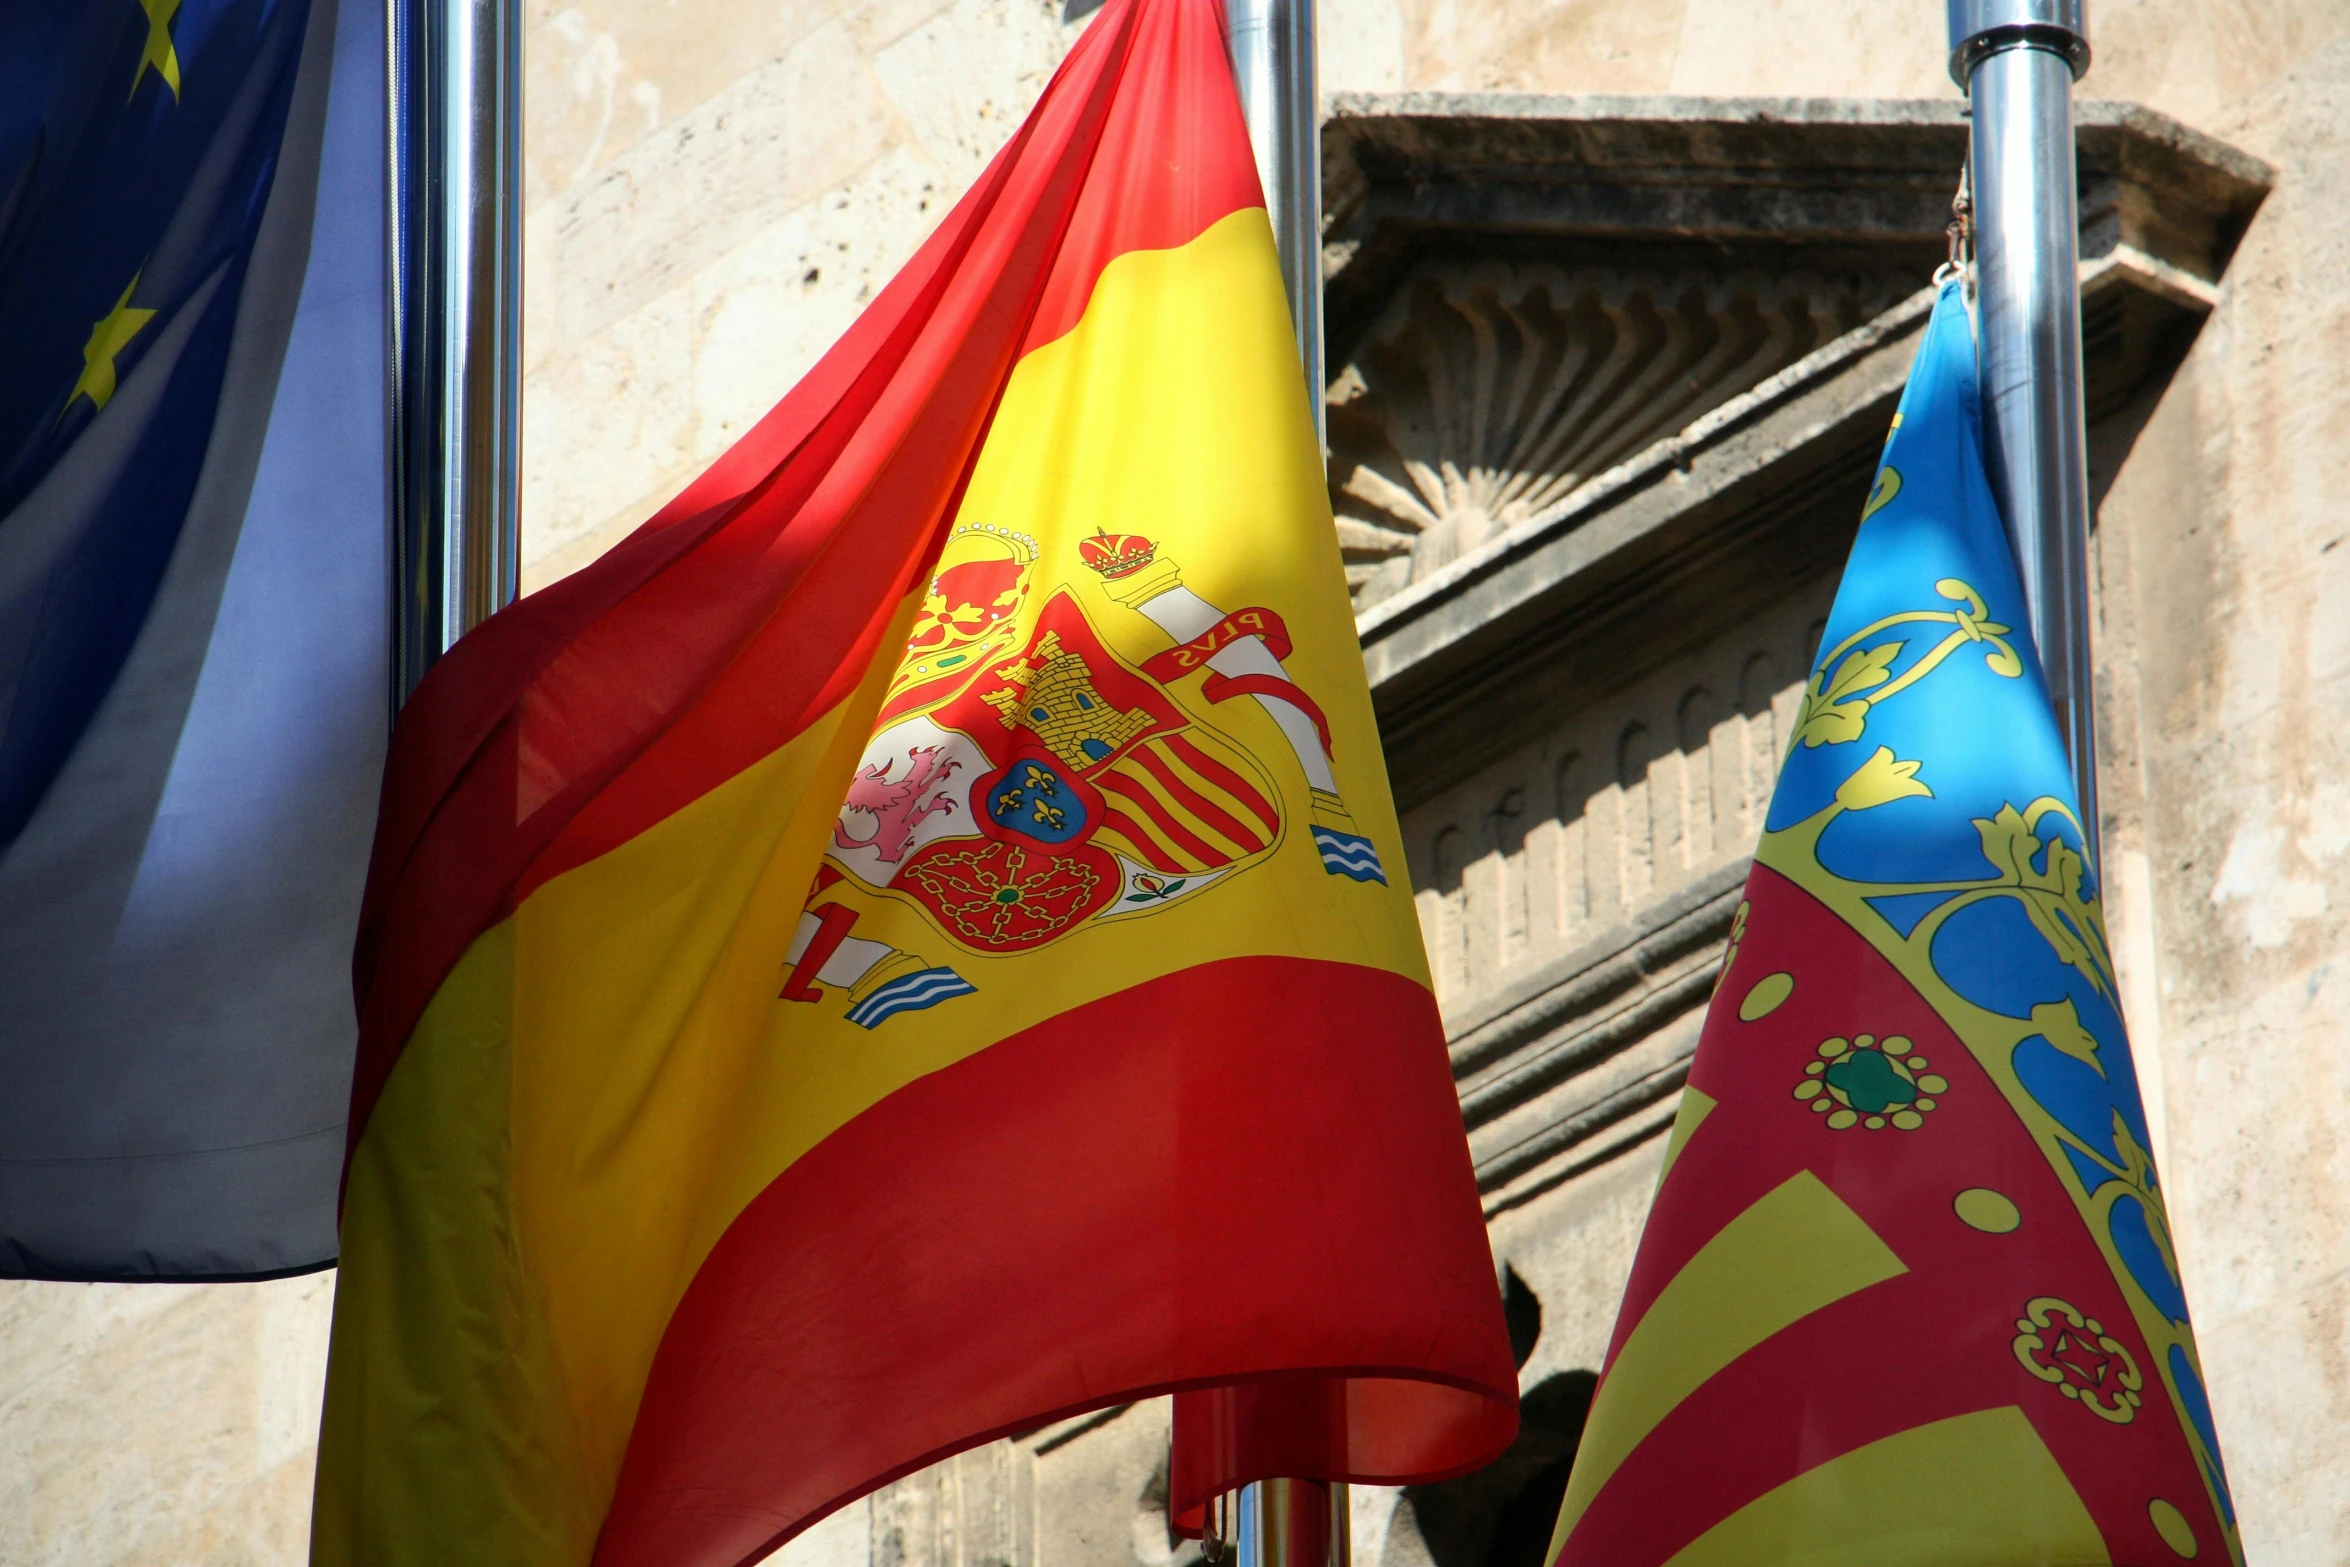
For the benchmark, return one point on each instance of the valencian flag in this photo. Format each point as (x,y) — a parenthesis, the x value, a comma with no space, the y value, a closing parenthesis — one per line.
(193,623)
(1907,1293)
(910,943)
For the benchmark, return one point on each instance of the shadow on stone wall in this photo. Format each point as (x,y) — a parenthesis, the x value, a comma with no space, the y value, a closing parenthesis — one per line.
(1502,1515)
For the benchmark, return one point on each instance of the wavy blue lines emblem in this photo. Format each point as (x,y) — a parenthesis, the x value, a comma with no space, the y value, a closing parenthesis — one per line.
(910,993)
(1348,854)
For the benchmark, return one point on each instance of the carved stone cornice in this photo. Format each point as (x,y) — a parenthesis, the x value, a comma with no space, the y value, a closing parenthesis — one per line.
(1611,376)
(1577,1058)
(1488,394)
(1527,533)
(1828,184)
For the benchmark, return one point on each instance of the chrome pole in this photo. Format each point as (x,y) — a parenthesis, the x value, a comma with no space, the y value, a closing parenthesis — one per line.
(1294,1523)
(2017,61)
(455,234)
(1272,45)
(1288,1522)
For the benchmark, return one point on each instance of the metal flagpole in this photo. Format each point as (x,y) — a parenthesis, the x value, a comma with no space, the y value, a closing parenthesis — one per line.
(2017,61)
(1273,62)
(1288,1522)
(454,230)
(1294,1523)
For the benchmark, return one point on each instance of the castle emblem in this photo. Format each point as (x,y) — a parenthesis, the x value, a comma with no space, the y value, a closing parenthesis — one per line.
(1054,696)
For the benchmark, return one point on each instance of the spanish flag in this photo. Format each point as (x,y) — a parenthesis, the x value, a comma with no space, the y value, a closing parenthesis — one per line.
(911,944)
(1908,1296)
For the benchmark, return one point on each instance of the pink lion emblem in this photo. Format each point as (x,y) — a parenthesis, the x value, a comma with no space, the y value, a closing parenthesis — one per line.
(896,808)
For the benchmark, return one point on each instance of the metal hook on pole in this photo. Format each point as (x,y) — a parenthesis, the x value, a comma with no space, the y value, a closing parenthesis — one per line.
(2017,60)
(1215,1539)
(1960,232)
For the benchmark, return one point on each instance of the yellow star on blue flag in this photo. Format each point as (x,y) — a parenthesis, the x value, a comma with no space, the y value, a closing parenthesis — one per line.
(194,618)
(127,212)
(160,56)
(111,335)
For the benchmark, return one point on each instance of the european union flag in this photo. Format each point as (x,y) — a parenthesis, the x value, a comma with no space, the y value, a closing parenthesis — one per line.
(1908,1290)
(192,622)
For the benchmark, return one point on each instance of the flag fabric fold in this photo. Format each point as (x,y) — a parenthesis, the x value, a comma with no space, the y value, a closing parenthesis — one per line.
(193,625)
(1908,1292)
(904,947)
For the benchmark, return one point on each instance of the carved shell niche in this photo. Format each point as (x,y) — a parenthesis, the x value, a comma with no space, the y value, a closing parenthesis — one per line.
(1487,394)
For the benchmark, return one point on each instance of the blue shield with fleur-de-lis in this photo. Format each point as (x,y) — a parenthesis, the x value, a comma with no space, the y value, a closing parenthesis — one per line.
(1034,800)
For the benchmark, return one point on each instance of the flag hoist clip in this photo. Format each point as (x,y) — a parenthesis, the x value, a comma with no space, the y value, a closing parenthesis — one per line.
(1959,265)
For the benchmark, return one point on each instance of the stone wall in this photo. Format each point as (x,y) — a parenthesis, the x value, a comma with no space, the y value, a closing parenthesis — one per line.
(2225,716)
(1618,807)
(715,186)
(712,191)
(159,1425)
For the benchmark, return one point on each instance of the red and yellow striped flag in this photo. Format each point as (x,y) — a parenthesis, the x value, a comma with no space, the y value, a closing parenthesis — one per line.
(904,948)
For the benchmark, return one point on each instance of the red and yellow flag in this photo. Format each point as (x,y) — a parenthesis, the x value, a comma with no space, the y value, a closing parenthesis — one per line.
(904,947)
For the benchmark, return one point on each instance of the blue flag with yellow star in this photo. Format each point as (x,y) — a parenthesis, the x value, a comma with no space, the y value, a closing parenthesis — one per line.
(193,616)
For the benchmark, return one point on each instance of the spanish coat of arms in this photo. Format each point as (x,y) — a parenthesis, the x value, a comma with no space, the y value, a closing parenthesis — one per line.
(1022,785)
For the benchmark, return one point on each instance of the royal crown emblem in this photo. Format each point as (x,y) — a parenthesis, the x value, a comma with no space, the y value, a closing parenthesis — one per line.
(968,608)
(1116,554)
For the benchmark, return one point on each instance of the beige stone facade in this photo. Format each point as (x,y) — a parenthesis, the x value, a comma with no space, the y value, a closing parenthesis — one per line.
(716,186)
(713,190)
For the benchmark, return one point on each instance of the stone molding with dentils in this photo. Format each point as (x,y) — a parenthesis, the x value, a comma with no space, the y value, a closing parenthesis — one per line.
(1527,1060)
(1576,897)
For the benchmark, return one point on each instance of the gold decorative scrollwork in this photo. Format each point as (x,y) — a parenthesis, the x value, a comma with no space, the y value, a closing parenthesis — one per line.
(1853,678)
